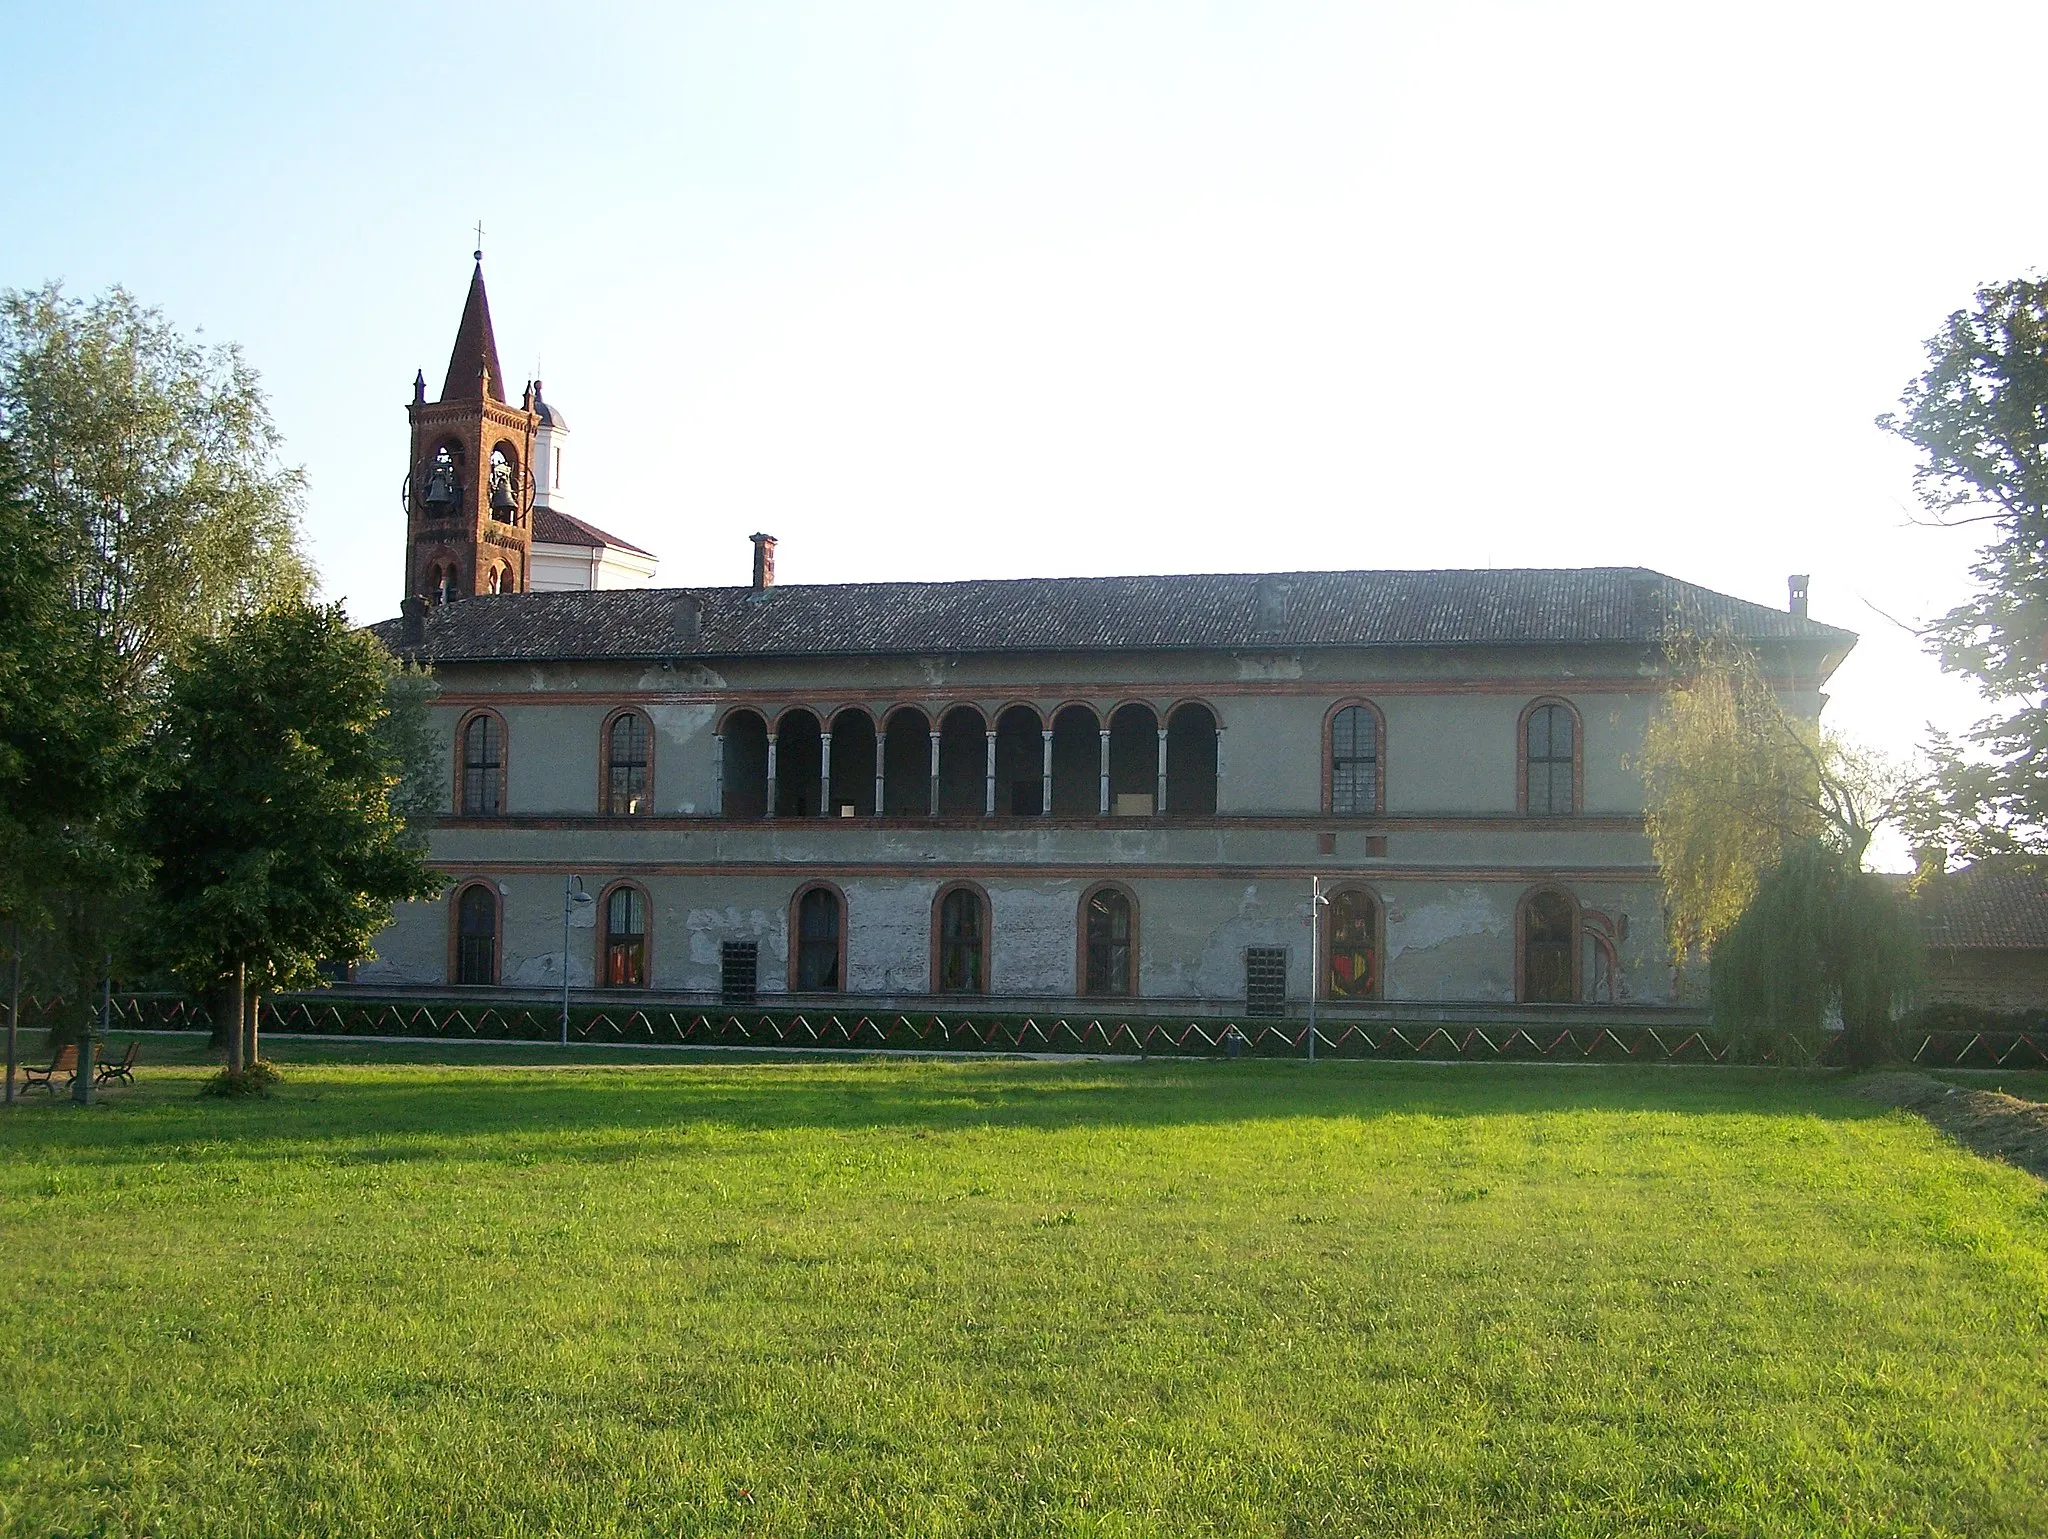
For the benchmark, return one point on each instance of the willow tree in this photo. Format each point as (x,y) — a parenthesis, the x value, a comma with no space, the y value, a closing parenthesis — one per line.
(1760,822)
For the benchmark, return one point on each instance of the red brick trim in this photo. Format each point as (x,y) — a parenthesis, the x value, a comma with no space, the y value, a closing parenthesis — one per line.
(600,975)
(796,902)
(1081,940)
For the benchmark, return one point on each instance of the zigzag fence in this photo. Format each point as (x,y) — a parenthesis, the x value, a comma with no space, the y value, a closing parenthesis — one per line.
(858,1031)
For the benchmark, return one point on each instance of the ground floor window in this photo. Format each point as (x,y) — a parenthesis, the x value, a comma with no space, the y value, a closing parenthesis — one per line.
(476,935)
(1109,926)
(817,942)
(1352,957)
(1549,945)
(962,962)
(625,939)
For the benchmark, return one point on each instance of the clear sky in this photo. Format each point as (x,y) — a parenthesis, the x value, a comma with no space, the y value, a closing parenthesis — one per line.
(953,290)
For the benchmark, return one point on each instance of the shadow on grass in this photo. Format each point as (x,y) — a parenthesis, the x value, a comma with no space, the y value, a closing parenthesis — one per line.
(390,1110)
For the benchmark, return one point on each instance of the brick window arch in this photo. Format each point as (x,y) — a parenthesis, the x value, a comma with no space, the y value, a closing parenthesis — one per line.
(627,747)
(1107,942)
(960,939)
(481,744)
(1550,758)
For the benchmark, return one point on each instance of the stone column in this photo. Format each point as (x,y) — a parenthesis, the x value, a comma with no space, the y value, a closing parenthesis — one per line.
(935,775)
(1045,783)
(1105,772)
(1159,796)
(771,776)
(989,802)
(718,774)
(880,744)
(1219,767)
(825,807)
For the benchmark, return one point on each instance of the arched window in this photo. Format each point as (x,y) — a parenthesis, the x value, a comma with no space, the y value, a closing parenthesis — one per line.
(743,771)
(1109,943)
(441,584)
(443,481)
(1351,946)
(476,935)
(1550,945)
(483,766)
(1550,740)
(1355,762)
(960,948)
(504,485)
(820,930)
(628,746)
(1191,760)
(625,938)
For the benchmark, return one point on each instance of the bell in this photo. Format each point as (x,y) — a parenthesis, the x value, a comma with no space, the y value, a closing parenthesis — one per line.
(439,493)
(501,495)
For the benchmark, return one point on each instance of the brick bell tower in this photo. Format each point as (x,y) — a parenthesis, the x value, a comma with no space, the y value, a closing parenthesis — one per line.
(469,493)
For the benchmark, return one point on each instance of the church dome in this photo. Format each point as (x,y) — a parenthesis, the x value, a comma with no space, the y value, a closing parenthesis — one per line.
(551,415)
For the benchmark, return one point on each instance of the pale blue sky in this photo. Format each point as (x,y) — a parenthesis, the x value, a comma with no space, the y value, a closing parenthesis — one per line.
(970,290)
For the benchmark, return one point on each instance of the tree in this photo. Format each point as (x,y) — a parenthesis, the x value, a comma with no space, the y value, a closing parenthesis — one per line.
(269,810)
(153,462)
(1978,414)
(1759,822)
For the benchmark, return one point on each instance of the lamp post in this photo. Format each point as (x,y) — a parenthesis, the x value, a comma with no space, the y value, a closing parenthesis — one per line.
(573,897)
(1316,900)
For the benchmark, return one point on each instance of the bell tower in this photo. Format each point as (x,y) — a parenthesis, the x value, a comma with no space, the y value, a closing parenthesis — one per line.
(469,492)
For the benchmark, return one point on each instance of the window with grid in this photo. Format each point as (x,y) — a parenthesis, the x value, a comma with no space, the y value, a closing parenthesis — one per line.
(1549,757)
(626,761)
(483,766)
(476,936)
(739,971)
(1265,980)
(1354,762)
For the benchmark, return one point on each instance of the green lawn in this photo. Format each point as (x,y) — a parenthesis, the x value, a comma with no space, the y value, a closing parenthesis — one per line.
(685,1295)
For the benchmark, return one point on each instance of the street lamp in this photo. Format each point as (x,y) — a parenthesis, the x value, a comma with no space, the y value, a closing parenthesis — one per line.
(1316,903)
(573,897)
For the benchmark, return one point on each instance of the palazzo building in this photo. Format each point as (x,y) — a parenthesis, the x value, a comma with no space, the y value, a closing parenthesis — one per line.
(1104,791)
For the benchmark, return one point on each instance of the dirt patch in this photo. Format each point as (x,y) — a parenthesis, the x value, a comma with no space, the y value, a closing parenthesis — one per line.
(1988,1121)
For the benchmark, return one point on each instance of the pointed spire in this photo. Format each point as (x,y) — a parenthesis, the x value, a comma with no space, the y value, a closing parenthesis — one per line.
(473,366)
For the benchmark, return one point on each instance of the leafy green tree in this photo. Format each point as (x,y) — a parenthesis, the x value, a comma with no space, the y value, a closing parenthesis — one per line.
(1978,414)
(269,812)
(153,462)
(1760,821)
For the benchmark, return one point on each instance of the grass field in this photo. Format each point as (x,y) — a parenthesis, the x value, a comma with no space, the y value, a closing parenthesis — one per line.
(931,1298)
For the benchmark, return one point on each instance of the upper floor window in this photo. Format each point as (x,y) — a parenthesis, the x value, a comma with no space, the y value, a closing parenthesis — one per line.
(1355,762)
(628,745)
(483,767)
(1550,760)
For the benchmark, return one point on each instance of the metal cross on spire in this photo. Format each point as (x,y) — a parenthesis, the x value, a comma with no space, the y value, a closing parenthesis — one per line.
(479,252)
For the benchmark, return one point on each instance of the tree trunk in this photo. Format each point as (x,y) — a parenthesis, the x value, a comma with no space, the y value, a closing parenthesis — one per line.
(253,1055)
(13,1010)
(231,998)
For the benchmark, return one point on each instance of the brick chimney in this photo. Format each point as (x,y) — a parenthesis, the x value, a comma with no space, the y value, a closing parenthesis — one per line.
(1797,582)
(764,562)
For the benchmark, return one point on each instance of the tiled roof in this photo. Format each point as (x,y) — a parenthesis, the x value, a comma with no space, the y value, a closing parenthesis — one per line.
(1980,909)
(552,527)
(475,346)
(1041,614)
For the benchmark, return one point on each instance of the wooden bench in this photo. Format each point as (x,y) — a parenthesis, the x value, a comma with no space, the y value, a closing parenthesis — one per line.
(122,1068)
(65,1063)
